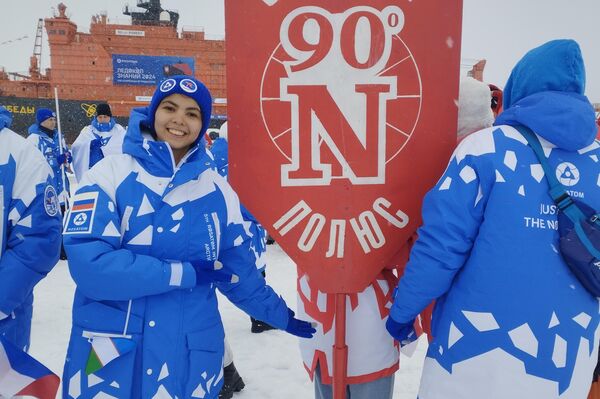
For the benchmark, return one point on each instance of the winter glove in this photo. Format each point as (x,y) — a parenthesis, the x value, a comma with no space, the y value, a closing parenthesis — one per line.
(404,333)
(96,153)
(208,272)
(64,158)
(299,328)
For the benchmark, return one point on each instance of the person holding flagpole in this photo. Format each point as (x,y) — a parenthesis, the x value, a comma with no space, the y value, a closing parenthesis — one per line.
(150,236)
(45,136)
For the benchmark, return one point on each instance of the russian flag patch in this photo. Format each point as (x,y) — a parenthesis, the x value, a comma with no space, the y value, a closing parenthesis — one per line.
(81,214)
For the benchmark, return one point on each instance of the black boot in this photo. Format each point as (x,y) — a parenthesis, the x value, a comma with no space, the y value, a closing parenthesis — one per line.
(259,326)
(232,382)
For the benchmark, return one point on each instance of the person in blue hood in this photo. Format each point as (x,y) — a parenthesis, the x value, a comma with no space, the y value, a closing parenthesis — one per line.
(30,225)
(511,320)
(102,137)
(150,235)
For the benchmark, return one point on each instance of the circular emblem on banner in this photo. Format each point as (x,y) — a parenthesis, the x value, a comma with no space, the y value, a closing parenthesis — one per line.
(167,85)
(188,85)
(567,174)
(51,204)
(363,66)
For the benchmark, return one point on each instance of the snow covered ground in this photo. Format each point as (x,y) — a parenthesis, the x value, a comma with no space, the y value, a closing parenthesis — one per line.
(269,362)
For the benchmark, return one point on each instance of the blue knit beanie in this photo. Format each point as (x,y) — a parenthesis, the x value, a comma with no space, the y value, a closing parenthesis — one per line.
(44,113)
(187,86)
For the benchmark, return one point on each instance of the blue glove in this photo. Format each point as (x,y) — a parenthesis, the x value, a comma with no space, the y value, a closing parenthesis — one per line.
(64,158)
(404,333)
(299,328)
(208,272)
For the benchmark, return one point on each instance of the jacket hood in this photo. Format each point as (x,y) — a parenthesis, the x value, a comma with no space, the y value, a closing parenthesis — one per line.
(155,156)
(545,93)
(5,118)
(554,66)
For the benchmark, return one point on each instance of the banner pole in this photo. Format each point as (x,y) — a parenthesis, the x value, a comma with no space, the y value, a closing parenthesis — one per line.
(340,349)
(65,194)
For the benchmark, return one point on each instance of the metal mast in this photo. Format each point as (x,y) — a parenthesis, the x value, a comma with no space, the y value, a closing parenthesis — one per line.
(37,47)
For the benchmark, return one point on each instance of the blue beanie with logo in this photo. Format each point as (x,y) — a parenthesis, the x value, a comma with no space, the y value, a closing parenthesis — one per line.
(187,86)
(44,113)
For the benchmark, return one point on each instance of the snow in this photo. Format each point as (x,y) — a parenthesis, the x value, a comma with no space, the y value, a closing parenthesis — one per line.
(269,362)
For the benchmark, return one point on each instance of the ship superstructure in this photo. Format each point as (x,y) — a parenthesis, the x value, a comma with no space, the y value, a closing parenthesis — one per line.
(116,63)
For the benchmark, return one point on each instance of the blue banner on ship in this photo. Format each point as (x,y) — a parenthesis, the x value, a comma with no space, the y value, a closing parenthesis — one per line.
(148,70)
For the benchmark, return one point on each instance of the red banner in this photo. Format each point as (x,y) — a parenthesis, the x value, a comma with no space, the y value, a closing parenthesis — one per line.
(342,114)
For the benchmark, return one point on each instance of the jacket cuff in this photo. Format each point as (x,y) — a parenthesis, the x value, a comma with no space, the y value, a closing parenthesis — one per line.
(183,275)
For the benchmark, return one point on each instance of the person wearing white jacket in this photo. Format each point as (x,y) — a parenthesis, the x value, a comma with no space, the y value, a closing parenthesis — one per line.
(101,138)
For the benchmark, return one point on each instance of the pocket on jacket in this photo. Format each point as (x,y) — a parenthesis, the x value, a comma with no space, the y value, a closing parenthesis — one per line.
(117,377)
(205,360)
(98,317)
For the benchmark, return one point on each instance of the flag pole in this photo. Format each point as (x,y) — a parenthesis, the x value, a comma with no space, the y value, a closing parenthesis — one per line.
(340,349)
(65,193)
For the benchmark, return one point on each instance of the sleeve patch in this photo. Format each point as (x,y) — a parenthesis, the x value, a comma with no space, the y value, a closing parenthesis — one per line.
(81,216)
(51,204)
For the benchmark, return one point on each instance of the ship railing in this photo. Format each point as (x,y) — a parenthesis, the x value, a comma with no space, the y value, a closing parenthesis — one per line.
(192,28)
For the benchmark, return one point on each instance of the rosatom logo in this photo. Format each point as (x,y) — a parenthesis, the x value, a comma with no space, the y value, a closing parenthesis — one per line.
(80,219)
(188,85)
(567,174)
(328,122)
(167,85)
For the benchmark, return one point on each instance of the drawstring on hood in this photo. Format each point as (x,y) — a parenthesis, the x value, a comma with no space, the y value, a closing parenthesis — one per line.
(545,93)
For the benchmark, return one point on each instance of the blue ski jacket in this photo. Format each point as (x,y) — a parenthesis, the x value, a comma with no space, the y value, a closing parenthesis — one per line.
(50,148)
(30,228)
(136,223)
(511,320)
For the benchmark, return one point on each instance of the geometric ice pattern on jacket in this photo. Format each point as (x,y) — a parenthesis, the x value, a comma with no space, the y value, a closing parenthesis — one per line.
(522,343)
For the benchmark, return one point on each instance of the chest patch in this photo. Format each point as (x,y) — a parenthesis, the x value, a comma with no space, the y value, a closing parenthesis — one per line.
(81,217)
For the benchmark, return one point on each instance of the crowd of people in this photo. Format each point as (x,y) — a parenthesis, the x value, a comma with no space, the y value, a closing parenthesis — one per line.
(154,229)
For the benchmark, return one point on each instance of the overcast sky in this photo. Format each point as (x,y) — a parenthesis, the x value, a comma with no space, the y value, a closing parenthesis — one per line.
(500,31)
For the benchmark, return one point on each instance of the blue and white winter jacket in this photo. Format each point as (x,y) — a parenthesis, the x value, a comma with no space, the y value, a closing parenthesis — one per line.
(30,228)
(86,154)
(50,148)
(136,222)
(511,320)
(220,151)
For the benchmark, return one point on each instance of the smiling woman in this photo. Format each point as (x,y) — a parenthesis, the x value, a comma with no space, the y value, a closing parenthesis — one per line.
(158,230)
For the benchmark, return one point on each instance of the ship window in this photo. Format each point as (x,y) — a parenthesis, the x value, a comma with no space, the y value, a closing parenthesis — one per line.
(52,32)
(62,32)
(93,62)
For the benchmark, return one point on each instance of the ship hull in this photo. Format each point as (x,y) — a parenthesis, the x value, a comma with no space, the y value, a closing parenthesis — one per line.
(74,114)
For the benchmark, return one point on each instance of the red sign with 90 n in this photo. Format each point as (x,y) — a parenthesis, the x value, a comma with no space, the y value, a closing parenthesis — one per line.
(341,116)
